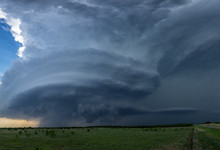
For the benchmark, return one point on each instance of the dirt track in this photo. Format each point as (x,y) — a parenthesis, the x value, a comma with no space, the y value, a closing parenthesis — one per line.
(211,127)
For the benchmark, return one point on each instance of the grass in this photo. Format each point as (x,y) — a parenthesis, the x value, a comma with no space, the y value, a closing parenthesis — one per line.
(95,138)
(209,138)
(111,138)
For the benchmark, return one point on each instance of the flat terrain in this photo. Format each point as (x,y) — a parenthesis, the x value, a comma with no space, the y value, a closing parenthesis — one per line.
(95,138)
(217,125)
(111,138)
(209,138)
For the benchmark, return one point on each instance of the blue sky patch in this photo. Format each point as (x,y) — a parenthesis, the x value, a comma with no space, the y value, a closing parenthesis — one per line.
(8,47)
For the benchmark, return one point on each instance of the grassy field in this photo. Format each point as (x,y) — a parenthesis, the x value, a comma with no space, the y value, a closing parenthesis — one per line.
(166,138)
(111,138)
(209,139)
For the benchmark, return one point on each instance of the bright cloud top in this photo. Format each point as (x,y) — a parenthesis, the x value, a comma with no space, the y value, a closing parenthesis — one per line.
(15,31)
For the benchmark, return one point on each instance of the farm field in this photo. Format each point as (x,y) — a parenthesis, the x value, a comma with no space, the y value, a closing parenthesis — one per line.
(164,138)
(209,138)
(111,138)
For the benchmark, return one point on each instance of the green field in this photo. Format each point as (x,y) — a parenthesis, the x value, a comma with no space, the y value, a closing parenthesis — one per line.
(95,138)
(209,139)
(110,138)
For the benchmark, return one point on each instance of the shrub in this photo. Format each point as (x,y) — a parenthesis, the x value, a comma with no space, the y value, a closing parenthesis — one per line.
(20,132)
(51,134)
(28,134)
(38,148)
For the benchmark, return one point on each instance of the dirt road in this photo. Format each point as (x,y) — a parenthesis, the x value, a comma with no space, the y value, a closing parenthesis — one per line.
(210,127)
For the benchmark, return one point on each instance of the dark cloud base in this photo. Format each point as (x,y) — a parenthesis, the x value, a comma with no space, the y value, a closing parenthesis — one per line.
(85,85)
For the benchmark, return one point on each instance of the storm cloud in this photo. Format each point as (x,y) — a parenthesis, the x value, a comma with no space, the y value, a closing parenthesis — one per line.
(79,81)
(95,62)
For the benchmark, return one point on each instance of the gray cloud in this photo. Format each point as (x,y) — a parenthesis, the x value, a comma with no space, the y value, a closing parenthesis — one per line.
(80,83)
(192,37)
(57,25)
(110,62)
(189,65)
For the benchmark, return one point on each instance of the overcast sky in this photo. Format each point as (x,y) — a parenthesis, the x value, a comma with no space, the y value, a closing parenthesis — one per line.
(110,62)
